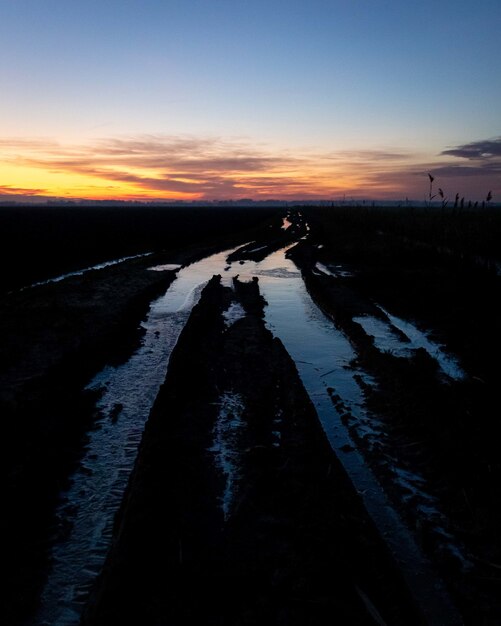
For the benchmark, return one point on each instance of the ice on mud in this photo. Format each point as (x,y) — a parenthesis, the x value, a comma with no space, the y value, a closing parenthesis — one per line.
(337,272)
(252,250)
(233,313)
(418,339)
(227,430)
(385,339)
(81,272)
(165,267)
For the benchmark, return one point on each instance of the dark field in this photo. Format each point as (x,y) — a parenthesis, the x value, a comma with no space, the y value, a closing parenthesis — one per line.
(299,546)
(441,270)
(37,243)
(57,336)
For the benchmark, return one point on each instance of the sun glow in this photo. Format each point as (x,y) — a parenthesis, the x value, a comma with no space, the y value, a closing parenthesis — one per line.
(138,183)
(190,168)
(164,168)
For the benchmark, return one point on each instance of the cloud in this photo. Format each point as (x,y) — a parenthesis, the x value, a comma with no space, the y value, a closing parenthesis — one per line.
(480,169)
(477,150)
(372,155)
(465,170)
(22,143)
(468,169)
(8,190)
(190,166)
(165,166)
(190,153)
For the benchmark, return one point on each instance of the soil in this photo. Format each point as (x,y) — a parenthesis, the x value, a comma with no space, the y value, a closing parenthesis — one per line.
(294,544)
(55,337)
(445,430)
(37,242)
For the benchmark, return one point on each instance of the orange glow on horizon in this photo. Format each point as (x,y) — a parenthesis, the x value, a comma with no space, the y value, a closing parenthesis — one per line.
(24,180)
(46,183)
(191,168)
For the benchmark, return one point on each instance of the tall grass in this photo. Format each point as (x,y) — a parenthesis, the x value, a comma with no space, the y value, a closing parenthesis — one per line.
(466,232)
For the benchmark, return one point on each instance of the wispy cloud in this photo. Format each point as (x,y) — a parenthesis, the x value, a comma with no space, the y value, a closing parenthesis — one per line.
(477,150)
(481,170)
(196,167)
(8,190)
(32,144)
(161,166)
(373,155)
(470,170)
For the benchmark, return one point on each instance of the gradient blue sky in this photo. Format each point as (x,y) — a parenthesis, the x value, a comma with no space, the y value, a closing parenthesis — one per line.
(322,98)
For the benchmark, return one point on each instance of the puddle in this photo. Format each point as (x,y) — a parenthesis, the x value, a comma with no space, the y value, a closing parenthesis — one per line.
(323,357)
(88,507)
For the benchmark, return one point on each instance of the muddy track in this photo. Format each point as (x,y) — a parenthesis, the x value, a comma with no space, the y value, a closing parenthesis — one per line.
(270,241)
(429,431)
(56,339)
(237,511)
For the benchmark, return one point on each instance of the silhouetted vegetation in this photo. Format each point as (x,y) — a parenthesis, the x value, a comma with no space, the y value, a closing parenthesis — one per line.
(460,232)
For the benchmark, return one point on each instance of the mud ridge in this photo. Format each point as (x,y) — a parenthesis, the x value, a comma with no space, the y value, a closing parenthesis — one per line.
(57,337)
(237,511)
(428,428)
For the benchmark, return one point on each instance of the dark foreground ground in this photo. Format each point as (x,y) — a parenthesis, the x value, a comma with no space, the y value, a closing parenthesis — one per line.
(55,337)
(294,541)
(292,545)
(39,242)
(427,268)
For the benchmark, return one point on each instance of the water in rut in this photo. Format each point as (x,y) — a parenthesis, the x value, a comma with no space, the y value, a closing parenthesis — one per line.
(322,355)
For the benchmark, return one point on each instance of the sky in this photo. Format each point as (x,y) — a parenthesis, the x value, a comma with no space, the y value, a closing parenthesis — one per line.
(228,99)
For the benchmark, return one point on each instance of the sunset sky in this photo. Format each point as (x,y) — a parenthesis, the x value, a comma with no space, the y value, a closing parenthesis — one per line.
(220,99)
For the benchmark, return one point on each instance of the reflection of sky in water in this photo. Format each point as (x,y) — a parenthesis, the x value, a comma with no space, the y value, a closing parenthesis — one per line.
(98,485)
(323,356)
